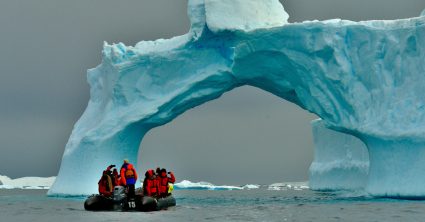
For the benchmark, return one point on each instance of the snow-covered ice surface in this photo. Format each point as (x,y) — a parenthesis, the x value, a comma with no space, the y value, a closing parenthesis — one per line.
(250,15)
(26,182)
(188,185)
(341,161)
(361,78)
(289,186)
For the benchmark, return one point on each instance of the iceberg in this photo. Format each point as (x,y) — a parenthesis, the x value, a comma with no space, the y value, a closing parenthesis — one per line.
(361,78)
(251,187)
(188,185)
(289,186)
(26,182)
(341,161)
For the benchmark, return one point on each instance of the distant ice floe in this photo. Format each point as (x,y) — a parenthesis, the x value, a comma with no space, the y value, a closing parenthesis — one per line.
(38,183)
(251,186)
(289,186)
(188,185)
(26,182)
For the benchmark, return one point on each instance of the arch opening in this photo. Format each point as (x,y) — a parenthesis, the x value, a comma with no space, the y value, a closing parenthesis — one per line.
(247,136)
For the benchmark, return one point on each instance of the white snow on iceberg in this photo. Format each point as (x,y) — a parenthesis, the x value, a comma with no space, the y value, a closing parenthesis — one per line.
(289,186)
(250,15)
(26,182)
(188,185)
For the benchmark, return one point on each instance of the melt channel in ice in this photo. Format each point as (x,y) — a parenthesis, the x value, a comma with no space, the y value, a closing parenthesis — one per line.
(361,78)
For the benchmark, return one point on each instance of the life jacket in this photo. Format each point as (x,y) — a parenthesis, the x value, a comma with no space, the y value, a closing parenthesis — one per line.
(105,185)
(163,185)
(150,185)
(129,173)
(116,179)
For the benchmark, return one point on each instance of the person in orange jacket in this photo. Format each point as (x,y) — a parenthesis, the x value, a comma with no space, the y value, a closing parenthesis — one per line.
(150,184)
(128,177)
(163,181)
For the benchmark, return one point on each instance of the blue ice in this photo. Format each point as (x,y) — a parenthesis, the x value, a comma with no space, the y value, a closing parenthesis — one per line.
(365,79)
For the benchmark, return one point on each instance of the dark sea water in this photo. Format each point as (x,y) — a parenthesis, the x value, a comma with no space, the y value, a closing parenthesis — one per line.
(225,205)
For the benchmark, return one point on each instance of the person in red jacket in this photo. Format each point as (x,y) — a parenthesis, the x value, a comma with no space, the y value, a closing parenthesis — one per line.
(117,178)
(106,183)
(128,177)
(150,184)
(163,181)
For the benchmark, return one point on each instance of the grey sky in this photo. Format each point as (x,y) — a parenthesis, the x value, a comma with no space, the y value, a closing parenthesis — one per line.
(247,135)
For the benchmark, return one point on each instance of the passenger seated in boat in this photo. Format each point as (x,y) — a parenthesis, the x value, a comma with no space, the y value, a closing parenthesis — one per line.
(164,180)
(106,184)
(117,178)
(150,184)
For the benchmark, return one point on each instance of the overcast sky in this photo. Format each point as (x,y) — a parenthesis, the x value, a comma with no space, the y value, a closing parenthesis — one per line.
(249,136)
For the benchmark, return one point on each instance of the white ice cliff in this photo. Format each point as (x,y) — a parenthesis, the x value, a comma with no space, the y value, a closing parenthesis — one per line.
(26,182)
(362,78)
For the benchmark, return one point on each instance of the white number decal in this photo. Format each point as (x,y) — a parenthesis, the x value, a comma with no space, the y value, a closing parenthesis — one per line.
(132,204)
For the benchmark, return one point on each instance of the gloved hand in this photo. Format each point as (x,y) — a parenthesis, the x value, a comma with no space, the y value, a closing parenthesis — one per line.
(111,166)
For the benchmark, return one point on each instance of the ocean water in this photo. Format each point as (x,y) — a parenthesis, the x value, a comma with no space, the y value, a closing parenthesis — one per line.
(220,205)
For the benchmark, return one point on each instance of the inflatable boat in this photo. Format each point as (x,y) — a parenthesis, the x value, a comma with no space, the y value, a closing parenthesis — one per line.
(120,202)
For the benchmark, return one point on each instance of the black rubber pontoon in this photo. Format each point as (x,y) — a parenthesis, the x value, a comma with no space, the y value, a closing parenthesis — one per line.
(120,202)
(98,203)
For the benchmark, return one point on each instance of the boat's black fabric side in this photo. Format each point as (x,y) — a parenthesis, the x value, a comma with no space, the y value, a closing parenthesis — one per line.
(164,203)
(98,203)
(101,203)
(148,204)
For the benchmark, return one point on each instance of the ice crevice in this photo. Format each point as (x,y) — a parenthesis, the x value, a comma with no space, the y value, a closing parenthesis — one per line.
(364,79)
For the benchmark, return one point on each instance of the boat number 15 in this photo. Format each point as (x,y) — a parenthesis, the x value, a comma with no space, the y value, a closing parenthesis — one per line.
(132,204)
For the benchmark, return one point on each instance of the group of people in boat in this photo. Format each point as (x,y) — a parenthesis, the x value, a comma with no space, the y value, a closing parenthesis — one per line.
(158,183)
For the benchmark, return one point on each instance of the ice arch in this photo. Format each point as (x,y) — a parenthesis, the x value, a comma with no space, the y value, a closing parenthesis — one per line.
(362,78)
